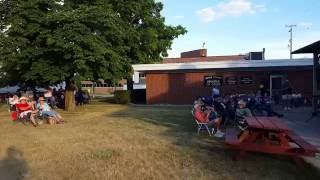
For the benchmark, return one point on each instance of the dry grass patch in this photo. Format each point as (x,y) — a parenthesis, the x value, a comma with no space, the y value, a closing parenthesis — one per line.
(103,141)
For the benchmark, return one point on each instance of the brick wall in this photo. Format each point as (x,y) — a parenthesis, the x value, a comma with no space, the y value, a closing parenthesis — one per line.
(194,53)
(183,87)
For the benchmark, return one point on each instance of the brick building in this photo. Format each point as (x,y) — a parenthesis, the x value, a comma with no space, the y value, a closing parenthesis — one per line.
(180,83)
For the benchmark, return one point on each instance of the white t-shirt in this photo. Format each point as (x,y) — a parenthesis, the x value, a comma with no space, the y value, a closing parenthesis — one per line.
(215,92)
(13,101)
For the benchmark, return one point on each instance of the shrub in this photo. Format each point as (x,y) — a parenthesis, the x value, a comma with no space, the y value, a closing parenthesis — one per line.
(122,97)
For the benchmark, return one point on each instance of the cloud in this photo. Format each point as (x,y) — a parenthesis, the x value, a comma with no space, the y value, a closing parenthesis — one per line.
(234,8)
(207,14)
(305,24)
(178,17)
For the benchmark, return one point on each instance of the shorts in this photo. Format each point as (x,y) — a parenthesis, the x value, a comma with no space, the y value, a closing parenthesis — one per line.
(242,124)
(49,113)
(26,114)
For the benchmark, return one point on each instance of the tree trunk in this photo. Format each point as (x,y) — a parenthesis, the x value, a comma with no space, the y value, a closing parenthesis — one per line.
(70,104)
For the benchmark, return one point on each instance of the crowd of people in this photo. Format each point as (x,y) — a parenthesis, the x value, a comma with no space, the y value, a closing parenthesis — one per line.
(28,109)
(30,105)
(220,111)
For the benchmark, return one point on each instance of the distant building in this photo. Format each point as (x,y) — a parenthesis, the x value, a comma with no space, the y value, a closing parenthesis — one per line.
(200,55)
(100,87)
(180,80)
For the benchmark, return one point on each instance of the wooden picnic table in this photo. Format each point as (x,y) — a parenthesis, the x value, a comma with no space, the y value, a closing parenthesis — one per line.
(268,135)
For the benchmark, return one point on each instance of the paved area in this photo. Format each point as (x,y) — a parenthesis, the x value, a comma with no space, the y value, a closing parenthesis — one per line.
(305,125)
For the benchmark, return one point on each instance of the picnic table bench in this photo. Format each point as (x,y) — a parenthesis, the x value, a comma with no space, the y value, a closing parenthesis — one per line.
(269,135)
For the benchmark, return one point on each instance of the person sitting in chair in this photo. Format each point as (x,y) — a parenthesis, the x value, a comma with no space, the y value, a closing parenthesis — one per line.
(241,113)
(13,101)
(46,111)
(207,114)
(25,110)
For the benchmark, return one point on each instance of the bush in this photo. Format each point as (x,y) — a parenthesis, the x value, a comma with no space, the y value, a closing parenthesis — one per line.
(122,97)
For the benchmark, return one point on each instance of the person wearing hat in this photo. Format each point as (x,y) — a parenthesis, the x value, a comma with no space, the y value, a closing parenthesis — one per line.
(208,114)
(25,110)
(45,110)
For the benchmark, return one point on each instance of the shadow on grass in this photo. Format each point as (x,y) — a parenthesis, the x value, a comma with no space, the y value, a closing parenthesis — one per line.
(210,152)
(13,166)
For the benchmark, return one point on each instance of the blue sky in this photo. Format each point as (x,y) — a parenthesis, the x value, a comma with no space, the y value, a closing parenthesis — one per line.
(240,26)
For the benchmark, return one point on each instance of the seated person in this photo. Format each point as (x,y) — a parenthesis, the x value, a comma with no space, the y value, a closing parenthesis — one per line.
(45,110)
(242,112)
(220,108)
(13,100)
(25,110)
(32,101)
(207,114)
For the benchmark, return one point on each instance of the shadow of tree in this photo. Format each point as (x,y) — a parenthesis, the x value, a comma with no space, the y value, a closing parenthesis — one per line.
(210,153)
(13,166)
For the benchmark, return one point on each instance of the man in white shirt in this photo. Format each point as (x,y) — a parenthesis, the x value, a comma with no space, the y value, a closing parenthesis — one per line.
(215,92)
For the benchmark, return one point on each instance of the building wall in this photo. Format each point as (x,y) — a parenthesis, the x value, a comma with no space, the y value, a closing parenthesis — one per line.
(183,87)
(102,90)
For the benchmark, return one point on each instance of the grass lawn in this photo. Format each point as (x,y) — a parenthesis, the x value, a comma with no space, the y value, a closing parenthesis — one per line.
(105,141)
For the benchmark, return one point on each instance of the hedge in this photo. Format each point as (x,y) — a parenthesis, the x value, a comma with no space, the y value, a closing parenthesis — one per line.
(122,97)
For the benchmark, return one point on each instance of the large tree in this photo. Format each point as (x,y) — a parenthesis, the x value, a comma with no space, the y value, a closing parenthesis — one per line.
(48,41)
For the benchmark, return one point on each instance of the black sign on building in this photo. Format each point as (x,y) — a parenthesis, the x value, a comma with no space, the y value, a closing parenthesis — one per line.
(246,80)
(213,81)
(231,80)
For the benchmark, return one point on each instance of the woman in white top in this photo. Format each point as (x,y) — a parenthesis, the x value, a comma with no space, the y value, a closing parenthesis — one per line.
(13,101)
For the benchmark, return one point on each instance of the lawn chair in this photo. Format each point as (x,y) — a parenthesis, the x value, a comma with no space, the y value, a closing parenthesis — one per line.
(202,126)
(25,120)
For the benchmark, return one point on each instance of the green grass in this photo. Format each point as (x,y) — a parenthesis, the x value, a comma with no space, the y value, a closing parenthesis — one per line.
(106,141)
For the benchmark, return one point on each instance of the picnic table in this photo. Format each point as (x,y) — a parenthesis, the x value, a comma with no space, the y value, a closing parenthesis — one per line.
(269,135)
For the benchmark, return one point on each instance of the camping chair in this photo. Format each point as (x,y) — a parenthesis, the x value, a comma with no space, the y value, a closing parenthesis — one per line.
(202,126)
(25,120)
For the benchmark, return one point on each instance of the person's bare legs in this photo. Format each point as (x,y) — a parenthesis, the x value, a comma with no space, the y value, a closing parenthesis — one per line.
(60,117)
(32,119)
(217,123)
(243,135)
(57,120)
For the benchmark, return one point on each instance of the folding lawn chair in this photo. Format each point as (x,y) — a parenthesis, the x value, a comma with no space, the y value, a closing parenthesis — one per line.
(202,126)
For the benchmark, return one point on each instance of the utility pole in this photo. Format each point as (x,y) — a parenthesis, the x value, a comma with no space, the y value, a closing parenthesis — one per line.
(290,26)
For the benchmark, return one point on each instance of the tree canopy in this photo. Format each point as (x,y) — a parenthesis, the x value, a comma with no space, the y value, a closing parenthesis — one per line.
(48,41)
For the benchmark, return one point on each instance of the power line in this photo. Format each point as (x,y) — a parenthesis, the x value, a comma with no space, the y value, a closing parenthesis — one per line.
(290,26)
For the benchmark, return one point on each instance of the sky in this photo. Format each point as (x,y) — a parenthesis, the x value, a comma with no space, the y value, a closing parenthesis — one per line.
(230,27)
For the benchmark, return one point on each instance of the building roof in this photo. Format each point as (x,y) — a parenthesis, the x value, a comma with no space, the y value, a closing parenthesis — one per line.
(224,65)
(311,48)
(204,59)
